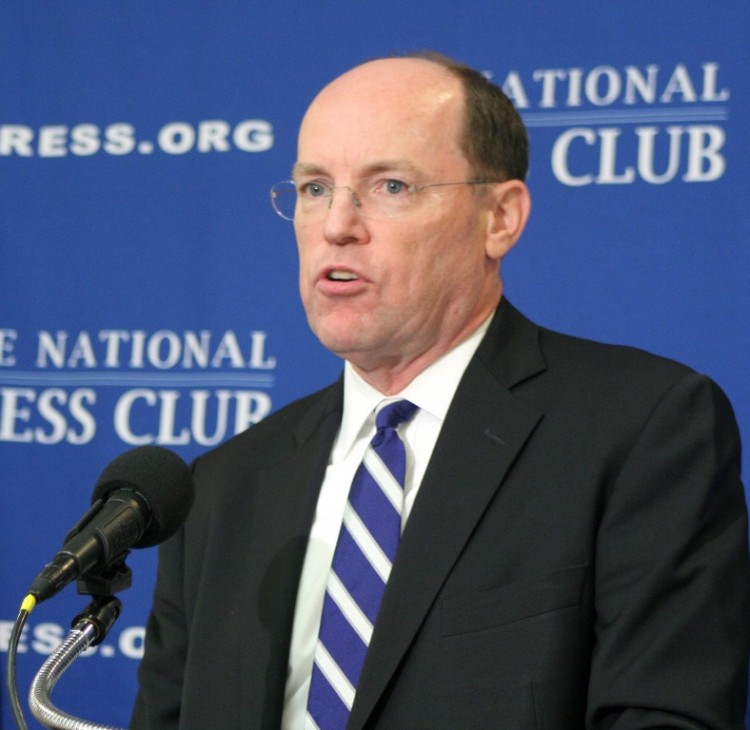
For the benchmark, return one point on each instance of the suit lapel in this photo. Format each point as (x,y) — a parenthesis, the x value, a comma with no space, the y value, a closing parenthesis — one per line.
(484,430)
(285,504)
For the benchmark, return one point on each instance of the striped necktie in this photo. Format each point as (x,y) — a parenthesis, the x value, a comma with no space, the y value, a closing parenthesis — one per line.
(362,561)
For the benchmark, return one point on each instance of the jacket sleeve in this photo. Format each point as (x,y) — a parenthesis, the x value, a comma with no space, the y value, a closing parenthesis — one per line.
(160,674)
(672,573)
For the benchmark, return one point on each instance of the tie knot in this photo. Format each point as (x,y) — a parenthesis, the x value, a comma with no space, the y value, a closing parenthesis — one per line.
(394,413)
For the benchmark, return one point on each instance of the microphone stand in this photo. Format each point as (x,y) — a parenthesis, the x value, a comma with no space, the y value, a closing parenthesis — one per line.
(89,629)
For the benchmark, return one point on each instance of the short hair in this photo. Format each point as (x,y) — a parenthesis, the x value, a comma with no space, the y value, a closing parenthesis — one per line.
(494,137)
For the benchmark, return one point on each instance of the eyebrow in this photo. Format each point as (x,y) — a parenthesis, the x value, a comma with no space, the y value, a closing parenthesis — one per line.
(304,168)
(402,165)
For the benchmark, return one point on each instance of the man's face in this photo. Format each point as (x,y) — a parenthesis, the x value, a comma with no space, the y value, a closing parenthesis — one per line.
(392,293)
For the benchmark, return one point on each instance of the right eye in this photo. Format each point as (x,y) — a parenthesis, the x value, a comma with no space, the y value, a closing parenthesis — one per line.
(313,190)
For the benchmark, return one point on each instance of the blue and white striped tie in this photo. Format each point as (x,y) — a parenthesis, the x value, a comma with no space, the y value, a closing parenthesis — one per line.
(362,562)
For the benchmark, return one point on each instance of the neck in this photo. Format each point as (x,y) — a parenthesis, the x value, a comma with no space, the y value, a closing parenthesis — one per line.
(391,377)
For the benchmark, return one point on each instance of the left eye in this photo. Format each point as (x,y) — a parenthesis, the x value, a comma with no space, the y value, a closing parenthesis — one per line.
(393,187)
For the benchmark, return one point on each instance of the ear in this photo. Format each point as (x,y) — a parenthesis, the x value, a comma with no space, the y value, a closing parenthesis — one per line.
(510,209)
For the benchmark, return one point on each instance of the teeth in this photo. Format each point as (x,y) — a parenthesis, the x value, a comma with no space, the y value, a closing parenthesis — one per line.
(342,276)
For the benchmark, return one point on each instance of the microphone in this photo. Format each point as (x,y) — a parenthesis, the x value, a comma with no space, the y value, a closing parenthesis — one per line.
(141,498)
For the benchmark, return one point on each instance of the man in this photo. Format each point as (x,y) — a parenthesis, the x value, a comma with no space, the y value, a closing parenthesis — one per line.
(574,544)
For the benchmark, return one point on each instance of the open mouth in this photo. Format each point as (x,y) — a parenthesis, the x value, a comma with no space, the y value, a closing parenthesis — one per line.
(342,276)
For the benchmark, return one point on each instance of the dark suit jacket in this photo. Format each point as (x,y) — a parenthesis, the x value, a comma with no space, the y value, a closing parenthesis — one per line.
(577,557)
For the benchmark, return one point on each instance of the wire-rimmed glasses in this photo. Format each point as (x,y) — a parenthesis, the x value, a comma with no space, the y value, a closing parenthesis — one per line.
(386,198)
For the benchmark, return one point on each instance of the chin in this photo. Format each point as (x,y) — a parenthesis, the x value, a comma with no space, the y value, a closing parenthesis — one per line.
(338,334)
(343,347)
(348,345)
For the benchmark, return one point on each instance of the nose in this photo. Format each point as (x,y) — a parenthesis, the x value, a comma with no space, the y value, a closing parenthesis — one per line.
(343,221)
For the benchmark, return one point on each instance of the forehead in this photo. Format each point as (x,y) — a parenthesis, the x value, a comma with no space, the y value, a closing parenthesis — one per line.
(407,110)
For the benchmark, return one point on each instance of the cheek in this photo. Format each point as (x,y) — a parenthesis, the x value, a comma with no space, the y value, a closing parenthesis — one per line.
(304,257)
(451,272)
(442,255)
(304,282)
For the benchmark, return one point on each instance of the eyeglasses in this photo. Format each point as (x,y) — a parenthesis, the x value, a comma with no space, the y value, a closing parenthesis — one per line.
(385,198)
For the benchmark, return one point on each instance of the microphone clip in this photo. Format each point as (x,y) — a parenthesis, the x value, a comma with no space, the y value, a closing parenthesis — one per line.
(107,581)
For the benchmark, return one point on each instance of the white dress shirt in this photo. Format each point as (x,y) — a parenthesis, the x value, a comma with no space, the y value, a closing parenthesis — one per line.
(432,391)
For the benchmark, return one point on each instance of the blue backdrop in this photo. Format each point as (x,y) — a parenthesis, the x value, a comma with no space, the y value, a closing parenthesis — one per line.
(148,293)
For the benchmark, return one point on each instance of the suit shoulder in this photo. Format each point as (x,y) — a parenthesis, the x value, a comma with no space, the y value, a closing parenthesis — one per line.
(608,358)
(626,377)
(268,436)
(518,350)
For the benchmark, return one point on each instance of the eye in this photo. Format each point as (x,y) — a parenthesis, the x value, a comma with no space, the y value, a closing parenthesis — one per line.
(392,187)
(313,190)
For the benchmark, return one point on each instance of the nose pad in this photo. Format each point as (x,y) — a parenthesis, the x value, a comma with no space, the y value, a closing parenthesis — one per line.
(356,202)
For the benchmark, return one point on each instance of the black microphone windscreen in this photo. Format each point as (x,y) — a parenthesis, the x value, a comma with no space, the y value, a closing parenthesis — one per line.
(159,477)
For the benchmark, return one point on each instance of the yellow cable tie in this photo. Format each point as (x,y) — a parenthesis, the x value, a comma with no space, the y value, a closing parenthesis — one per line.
(28,603)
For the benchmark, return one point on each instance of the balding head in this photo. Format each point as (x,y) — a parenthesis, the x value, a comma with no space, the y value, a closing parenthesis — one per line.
(491,134)
(387,100)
